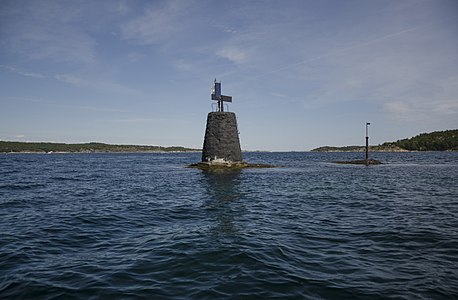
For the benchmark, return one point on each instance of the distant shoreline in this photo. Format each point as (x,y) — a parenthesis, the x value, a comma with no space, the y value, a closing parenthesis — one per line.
(42,147)
(199,151)
(97,152)
(435,141)
(360,149)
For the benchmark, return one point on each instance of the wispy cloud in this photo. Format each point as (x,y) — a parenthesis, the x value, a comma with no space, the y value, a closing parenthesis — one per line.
(278,95)
(408,111)
(183,65)
(103,85)
(48,30)
(234,54)
(73,106)
(22,72)
(151,119)
(93,108)
(123,8)
(393,59)
(397,107)
(138,120)
(157,24)
(341,50)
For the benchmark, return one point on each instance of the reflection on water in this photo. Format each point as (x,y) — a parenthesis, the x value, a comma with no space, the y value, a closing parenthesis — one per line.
(222,205)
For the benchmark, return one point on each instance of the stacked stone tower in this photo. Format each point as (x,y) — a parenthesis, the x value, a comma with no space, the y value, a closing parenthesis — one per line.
(221,148)
(221,142)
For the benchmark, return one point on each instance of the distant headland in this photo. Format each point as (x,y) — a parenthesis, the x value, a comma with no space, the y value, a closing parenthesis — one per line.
(30,147)
(435,141)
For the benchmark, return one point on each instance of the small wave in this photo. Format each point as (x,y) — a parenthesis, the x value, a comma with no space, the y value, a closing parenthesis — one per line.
(21,186)
(132,227)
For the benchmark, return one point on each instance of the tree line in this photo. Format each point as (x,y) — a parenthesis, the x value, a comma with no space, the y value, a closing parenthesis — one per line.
(435,141)
(8,147)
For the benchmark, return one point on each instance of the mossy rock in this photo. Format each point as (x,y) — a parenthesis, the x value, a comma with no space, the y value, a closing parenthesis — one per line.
(360,162)
(227,166)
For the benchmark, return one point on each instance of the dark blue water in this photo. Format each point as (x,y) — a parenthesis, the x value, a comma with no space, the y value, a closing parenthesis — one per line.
(104,226)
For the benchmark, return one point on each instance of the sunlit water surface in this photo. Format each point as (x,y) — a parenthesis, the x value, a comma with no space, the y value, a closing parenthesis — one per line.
(82,226)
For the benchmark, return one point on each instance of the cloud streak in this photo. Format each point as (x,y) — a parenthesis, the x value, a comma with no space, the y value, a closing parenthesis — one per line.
(72,106)
(22,72)
(157,24)
(47,30)
(233,54)
(342,50)
(97,85)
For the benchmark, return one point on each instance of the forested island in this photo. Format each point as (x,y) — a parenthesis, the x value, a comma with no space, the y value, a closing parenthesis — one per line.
(435,141)
(28,147)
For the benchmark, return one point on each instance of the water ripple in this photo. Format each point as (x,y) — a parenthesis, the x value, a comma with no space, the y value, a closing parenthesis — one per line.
(137,226)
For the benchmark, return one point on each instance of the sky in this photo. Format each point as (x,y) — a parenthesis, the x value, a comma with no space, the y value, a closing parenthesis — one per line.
(302,74)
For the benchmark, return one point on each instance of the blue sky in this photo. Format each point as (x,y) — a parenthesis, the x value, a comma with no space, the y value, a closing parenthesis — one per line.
(302,74)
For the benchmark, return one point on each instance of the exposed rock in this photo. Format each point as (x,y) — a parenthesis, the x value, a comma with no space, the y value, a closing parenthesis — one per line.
(227,165)
(381,148)
(360,162)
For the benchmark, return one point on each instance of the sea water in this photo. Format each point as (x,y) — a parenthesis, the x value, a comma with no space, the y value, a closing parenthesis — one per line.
(142,226)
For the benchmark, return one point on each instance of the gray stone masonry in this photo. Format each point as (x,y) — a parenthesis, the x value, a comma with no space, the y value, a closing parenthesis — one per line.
(221,143)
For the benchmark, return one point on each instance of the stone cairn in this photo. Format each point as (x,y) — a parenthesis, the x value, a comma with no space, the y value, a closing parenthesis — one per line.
(221,147)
